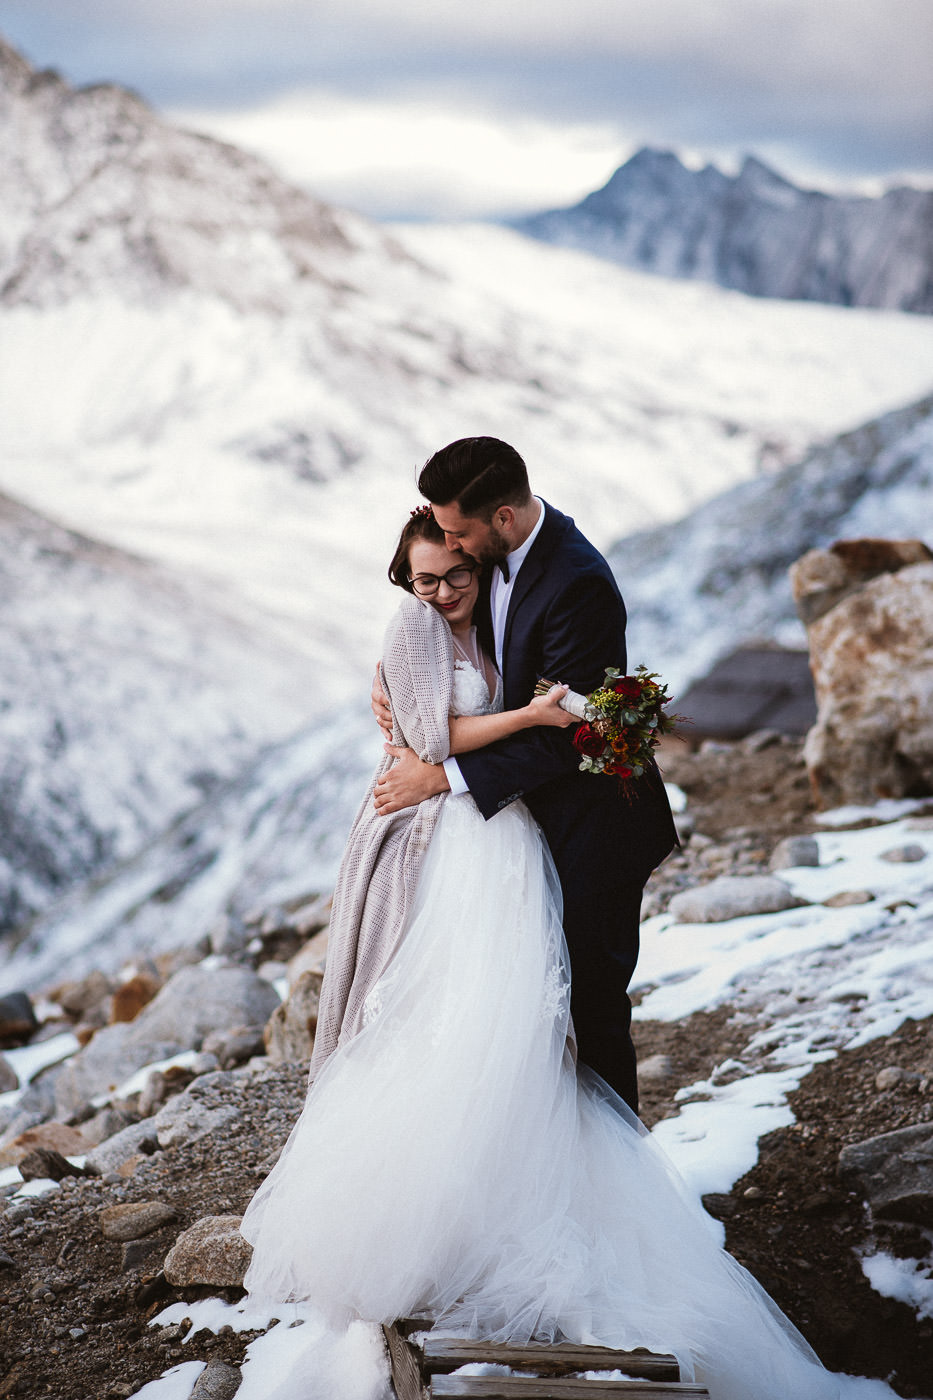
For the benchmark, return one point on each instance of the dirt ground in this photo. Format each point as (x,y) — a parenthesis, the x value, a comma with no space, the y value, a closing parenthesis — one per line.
(74,1307)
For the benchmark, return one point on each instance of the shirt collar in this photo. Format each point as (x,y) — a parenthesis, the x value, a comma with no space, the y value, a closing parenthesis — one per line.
(516,559)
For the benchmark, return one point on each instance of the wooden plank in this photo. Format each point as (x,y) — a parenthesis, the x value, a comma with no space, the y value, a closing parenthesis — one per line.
(558,1388)
(404,1360)
(444,1354)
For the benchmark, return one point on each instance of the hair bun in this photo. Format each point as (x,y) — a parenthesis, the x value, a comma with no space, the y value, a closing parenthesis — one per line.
(419,511)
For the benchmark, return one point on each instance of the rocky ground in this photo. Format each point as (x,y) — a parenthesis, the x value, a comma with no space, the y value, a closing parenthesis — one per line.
(75,1303)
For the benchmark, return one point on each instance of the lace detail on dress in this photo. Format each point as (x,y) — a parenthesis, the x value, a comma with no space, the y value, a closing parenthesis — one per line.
(556,999)
(471,693)
(372,1005)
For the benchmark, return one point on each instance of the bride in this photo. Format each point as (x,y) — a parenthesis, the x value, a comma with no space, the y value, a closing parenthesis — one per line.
(452,1160)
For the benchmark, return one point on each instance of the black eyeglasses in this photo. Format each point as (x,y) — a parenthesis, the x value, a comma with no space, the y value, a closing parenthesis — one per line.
(426,585)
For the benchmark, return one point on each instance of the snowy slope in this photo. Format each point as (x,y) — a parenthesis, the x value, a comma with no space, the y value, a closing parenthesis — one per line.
(209,367)
(279,453)
(124,697)
(699,587)
(755,231)
(273,834)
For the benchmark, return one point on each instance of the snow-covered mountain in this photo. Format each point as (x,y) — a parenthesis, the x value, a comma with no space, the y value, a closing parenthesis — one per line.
(208,369)
(755,231)
(125,697)
(694,589)
(697,588)
(207,366)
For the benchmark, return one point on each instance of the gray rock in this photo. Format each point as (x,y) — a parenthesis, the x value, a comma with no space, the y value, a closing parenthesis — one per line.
(212,1252)
(289,1034)
(229,936)
(198,1000)
(888,1077)
(134,1220)
(761,739)
(217,1381)
(35,1104)
(137,1253)
(895,1172)
(732,897)
(904,855)
(192,1003)
(17,1019)
(80,997)
(794,851)
(234,1047)
(114,1151)
(844,898)
(111,1056)
(655,1068)
(45,1164)
(106,1123)
(186,1117)
(9,1079)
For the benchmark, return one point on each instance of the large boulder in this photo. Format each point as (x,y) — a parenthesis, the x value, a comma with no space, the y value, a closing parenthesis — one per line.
(198,1000)
(194,1002)
(868,606)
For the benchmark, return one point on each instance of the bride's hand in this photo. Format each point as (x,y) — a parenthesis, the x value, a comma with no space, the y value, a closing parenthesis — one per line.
(545,709)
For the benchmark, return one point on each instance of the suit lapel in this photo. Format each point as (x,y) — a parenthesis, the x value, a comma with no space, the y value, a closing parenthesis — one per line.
(531,571)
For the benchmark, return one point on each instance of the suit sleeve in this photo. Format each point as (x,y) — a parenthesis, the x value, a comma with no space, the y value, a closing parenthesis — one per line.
(583,633)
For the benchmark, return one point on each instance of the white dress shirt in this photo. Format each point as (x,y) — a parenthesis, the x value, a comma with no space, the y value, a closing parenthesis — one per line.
(500,595)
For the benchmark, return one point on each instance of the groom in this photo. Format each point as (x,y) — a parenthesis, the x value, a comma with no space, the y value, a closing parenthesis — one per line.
(551,608)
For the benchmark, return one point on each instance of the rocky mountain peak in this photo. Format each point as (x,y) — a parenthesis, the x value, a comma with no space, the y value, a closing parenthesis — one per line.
(100,193)
(756,231)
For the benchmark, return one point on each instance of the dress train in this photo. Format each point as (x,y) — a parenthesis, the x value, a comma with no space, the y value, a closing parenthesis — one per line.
(453,1162)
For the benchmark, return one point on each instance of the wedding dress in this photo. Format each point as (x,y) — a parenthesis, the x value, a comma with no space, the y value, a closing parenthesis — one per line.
(453,1162)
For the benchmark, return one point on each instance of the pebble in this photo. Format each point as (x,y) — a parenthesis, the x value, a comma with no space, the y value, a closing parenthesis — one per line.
(846,897)
(904,855)
(135,1219)
(795,851)
(655,1068)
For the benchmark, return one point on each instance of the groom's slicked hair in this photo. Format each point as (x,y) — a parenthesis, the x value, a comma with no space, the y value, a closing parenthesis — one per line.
(479,474)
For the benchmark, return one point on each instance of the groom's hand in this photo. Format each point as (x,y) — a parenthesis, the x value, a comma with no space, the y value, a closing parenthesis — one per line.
(408,783)
(379,702)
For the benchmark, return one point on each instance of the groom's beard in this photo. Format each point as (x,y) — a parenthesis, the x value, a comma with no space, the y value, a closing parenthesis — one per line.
(494,549)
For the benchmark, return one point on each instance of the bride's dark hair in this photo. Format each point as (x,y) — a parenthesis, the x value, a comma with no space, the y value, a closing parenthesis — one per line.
(420,525)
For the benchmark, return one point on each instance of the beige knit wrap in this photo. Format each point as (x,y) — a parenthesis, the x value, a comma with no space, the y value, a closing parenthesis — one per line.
(382,861)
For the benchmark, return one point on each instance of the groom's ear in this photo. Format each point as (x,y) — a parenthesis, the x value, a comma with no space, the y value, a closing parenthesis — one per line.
(504,518)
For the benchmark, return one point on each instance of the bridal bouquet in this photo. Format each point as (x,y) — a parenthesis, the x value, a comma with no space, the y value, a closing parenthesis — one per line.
(622,722)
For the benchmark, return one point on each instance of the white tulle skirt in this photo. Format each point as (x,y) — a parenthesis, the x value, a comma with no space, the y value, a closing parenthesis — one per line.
(451,1161)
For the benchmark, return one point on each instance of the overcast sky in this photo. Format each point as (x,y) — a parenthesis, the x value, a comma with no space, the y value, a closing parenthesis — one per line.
(481,107)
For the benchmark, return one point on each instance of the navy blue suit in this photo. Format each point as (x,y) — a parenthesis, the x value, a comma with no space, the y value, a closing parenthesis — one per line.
(566,622)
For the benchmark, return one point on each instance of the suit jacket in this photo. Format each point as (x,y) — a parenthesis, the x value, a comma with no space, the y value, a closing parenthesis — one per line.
(566,622)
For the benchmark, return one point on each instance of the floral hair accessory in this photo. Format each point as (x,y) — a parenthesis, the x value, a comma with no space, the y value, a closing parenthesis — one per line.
(420,511)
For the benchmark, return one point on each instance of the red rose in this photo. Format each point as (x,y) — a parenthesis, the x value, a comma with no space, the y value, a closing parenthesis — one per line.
(631,689)
(587,741)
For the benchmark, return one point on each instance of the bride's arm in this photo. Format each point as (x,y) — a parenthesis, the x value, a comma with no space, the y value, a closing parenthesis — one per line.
(469,732)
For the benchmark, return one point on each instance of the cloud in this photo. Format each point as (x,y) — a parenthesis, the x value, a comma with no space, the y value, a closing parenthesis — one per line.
(418,157)
(838,89)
